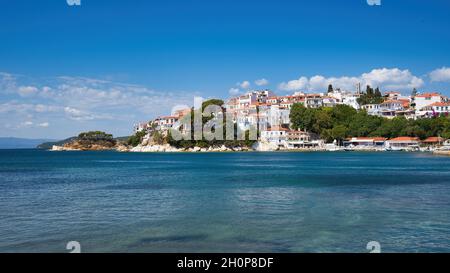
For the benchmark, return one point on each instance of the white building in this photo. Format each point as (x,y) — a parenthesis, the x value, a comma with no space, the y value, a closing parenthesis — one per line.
(351,100)
(426,99)
(166,122)
(403,143)
(436,108)
(372,109)
(275,135)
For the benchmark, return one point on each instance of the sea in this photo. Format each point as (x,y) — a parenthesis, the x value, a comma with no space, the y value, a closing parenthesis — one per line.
(283,202)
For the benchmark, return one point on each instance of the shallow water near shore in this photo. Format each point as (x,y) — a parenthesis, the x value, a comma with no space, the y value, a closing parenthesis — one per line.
(224,202)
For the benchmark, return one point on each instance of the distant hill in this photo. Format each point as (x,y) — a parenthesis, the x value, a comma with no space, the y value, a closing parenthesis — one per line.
(49,144)
(20,143)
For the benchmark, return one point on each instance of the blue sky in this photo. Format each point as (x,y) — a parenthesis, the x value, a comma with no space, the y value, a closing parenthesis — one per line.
(137,59)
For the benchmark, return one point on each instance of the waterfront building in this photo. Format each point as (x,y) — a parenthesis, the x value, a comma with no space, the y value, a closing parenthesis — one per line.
(301,139)
(403,143)
(365,141)
(276,135)
(433,141)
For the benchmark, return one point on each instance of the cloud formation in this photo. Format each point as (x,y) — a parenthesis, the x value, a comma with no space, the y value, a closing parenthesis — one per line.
(387,79)
(440,75)
(261,82)
(66,105)
(244,84)
(233,91)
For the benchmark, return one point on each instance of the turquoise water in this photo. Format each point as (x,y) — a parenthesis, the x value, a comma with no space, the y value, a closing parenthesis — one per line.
(223,202)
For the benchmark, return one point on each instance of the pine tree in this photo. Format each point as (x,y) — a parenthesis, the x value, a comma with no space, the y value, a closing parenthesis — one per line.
(377,92)
(330,88)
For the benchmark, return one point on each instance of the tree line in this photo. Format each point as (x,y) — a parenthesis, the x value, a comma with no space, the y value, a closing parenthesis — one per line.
(343,121)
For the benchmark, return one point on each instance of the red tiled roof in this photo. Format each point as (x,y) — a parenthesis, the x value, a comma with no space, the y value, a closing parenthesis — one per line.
(392,101)
(428,95)
(277,128)
(404,139)
(440,104)
(433,140)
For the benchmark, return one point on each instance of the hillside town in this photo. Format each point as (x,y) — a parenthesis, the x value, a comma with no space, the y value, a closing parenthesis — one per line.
(271,114)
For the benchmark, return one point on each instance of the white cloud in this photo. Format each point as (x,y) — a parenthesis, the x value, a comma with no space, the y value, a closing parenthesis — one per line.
(25,91)
(233,91)
(7,83)
(299,84)
(27,123)
(440,75)
(43,124)
(261,82)
(392,79)
(80,115)
(244,84)
(72,104)
(387,79)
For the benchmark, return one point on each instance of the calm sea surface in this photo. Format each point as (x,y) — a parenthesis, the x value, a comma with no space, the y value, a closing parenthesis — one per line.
(223,202)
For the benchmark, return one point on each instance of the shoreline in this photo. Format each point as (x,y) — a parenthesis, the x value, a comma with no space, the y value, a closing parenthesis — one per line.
(158,149)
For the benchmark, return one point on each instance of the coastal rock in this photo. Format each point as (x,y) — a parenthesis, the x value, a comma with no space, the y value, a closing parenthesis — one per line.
(264,147)
(122,148)
(154,149)
(63,148)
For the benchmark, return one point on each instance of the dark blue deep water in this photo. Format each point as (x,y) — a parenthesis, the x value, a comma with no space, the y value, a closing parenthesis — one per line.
(223,202)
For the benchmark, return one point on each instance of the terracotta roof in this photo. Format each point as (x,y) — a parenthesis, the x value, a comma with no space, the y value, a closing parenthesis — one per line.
(428,95)
(392,101)
(167,117)
(296,132)
(404,139)
(434,140)
(405,102)
(440,104)
(277,128)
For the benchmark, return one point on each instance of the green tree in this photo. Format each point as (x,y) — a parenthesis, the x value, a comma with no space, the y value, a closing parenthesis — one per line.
(136,139)
(339,132)
(330,88)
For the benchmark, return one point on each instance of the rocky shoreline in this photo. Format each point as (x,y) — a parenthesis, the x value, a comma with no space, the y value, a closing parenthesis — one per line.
(256,147)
